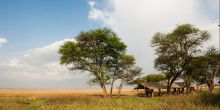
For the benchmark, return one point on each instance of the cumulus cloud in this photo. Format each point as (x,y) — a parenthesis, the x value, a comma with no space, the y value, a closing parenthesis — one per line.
(36,64)
(94,13)
(2,41)
(39,68)
(98,15)
(137,21)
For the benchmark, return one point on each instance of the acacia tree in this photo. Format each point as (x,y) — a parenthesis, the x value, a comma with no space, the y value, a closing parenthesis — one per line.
(91,52)
(154,78)
(176,50)
(207,68)
(148,78)
(136,81)
(118,66)
(128,75)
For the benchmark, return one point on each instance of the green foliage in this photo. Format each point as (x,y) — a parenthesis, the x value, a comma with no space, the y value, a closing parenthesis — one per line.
(148,78)
(176,48)
(132,73)
(136,81)
(120,65)
(95,80)
(154,78)
(91,49)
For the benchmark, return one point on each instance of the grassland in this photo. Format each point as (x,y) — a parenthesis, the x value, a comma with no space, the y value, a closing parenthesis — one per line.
(92,100)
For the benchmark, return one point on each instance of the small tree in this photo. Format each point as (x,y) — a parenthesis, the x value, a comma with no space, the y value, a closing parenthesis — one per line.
(136,81)
(91,52)
(128,75)
(154,78)
(207,68)
(118,66)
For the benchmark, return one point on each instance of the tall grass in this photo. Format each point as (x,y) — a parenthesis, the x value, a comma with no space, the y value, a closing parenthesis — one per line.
(201,101)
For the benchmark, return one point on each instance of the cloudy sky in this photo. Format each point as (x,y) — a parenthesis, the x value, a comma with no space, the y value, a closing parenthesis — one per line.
(31,32)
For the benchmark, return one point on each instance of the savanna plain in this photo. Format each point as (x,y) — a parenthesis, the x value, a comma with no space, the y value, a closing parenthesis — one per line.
(93,100)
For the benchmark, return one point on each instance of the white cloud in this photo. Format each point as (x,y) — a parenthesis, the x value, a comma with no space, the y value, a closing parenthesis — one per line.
(136,21)
(39,68)
(214,4)
(37,64)
(213,28)
(94,13)
(98,15)
(2,41)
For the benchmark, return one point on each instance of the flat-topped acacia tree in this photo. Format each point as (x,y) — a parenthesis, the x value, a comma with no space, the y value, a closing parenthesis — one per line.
(91,52)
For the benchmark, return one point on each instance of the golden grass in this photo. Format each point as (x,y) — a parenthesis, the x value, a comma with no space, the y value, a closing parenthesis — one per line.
(52,92)
(91,100)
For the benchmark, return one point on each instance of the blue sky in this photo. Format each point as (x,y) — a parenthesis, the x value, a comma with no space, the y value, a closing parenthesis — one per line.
(31,32)
(29,24)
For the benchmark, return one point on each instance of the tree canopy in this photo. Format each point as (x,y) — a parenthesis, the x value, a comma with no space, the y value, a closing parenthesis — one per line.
(154,78)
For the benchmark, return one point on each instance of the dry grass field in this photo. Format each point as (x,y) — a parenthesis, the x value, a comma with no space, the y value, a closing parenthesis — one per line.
(56,92)
(92,100)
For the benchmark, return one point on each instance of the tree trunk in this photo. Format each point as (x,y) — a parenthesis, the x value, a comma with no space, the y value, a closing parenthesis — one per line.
(112,84)
(159,92)
(120,87)
(210,84)
(103,87)
(169,84)
(211,88)
(168,87)
(104,91)
(187,83)
(102,81)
